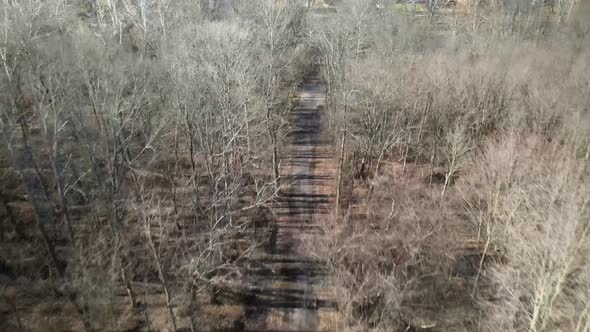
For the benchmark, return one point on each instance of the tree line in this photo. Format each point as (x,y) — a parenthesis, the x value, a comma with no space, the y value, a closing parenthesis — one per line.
(145,135)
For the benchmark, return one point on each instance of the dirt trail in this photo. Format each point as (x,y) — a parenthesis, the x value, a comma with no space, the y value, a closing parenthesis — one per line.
(289,294)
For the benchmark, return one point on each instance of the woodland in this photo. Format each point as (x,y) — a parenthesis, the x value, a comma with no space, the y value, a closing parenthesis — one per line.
(143,142)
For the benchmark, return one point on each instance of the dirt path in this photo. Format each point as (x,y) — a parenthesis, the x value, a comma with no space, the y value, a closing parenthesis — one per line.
(289,294)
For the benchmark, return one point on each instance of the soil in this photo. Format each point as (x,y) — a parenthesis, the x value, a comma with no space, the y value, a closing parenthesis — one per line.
(289,288)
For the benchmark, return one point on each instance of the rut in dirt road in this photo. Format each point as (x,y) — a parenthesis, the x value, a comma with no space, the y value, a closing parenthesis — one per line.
(288,293)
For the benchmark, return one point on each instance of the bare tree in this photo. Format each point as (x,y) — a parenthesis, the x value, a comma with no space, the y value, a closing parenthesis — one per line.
(279,29)
(457,146)
(520,201)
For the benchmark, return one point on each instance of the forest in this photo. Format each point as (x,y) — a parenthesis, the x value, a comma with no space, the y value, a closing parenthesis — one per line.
(276,165)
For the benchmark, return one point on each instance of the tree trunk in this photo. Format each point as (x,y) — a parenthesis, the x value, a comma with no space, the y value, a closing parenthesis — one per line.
(275,163)
(446,184)
(341,163)
(58,174)
(406,152)
(161,275)
(481,262)
(126,282)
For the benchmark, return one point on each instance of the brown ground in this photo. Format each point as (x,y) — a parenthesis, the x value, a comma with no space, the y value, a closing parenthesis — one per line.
(290,293)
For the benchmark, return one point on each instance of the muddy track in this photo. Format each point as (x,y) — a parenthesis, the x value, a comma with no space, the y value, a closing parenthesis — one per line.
(289,292)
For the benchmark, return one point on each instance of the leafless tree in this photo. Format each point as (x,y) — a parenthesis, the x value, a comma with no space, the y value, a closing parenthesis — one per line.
(457,147)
